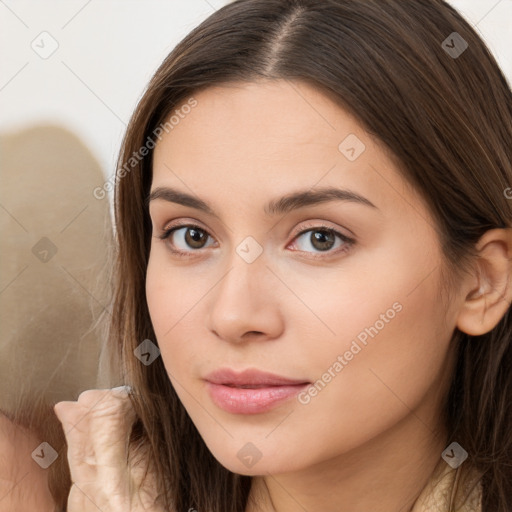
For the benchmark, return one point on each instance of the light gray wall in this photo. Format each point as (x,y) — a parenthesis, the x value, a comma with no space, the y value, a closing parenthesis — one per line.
(107,51)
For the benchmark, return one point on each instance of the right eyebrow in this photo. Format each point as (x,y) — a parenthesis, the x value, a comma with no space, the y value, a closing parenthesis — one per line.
(172,195)
(292,201)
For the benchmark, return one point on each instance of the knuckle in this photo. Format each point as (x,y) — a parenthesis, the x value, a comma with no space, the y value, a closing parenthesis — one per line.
(66,411)
(112,404)
(90,396)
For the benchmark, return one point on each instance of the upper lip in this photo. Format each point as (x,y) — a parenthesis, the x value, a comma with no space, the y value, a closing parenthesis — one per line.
(250,377)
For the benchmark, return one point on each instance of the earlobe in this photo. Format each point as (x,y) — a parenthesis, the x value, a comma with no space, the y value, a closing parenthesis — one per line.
(490,289)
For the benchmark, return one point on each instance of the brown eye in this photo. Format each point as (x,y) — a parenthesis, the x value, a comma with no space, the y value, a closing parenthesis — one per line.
(182,239)
(322,240)
(195,238)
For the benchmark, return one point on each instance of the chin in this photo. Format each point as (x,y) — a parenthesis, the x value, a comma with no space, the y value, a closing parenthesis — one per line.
(247,459)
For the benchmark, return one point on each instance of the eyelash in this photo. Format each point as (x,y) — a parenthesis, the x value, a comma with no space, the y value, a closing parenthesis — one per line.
(348,242)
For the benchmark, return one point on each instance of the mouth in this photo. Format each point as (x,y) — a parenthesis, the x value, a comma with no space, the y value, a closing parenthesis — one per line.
(251,391)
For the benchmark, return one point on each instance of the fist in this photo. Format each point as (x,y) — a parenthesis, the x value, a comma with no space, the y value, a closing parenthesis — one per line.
(97,428)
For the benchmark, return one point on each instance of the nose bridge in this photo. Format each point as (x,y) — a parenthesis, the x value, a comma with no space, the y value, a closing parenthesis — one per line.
(243,299)
(246,279)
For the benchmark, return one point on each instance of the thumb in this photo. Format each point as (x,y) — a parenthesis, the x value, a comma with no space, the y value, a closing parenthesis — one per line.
(80,452)
(97,428)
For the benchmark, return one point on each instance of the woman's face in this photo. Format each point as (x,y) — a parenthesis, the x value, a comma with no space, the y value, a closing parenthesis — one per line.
(355,314)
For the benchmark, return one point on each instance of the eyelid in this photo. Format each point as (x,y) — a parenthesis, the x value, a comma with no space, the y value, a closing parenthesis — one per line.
(309,225)
(187,222)
(306,227)
(171,227)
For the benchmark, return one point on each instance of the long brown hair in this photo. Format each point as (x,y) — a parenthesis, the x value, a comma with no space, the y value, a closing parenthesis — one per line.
(447,121)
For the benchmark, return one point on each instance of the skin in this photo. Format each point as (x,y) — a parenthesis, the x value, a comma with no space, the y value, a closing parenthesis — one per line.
(97,428)
(23,483)
(372,437)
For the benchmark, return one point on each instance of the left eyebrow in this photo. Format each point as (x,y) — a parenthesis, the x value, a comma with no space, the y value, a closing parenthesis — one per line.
(304,198)
(287,203)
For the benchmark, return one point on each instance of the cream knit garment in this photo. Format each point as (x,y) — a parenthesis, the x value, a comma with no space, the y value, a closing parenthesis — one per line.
(439,494)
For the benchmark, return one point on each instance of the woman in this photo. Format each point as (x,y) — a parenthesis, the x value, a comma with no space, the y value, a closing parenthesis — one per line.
(313,272)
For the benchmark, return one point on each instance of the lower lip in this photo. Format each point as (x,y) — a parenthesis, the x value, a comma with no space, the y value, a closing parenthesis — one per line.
(251,401)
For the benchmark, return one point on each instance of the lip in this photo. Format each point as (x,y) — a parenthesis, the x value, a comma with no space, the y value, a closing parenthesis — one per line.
(250,377)
(262,391)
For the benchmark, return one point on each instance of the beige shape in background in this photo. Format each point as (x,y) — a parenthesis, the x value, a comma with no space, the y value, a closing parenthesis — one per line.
(48,344)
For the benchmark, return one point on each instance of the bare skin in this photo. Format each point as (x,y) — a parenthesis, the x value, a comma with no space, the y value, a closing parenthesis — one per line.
(371,437)
(23,483)
(97,428)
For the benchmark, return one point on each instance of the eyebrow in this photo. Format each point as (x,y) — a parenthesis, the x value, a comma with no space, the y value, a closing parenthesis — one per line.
(285,204)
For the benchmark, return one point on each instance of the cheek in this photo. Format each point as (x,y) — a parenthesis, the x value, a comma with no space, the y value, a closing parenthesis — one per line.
(387,301)
(388,350)
(362,389)
(173,295)
(158,298)
(169,292)
(163,292)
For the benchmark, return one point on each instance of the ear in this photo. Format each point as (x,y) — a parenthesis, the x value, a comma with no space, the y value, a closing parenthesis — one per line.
(489,290)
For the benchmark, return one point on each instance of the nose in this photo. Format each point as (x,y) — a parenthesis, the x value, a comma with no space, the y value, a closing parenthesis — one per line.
(244,304)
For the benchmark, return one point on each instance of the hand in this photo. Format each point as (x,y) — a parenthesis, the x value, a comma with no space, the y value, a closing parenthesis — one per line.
(97,428)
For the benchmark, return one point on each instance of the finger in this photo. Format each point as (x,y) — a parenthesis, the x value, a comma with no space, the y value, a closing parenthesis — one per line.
(97,428)
(112,420)
(80,449)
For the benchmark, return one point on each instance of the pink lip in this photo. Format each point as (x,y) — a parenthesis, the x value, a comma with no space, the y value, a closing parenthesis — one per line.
(262,390)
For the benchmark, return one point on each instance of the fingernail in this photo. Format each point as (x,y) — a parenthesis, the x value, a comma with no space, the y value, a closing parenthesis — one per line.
(123,389)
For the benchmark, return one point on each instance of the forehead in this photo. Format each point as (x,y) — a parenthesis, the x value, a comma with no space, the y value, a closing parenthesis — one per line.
(265,117)
(273,137)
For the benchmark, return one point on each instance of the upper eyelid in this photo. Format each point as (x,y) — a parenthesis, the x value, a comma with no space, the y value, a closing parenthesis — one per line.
(348,233)
(312,226)
(174,227)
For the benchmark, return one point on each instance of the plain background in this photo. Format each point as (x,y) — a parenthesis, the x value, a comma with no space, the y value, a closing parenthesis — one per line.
(108,50)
